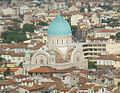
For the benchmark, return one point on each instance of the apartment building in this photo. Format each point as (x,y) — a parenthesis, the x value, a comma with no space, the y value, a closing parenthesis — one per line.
(94,47)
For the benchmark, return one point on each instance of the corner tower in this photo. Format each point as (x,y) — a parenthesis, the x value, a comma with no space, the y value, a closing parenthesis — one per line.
(59,33)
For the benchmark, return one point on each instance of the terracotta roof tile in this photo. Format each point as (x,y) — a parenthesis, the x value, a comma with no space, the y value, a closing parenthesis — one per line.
(2,69)
(28,13)
(7,82)
(21,76)
(35,87)
(105,30)
(86,87)
(28,80)
(11,22)
(44,69)
(32,20)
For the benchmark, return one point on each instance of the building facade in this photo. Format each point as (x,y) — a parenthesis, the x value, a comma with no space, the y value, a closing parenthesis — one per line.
(60,52)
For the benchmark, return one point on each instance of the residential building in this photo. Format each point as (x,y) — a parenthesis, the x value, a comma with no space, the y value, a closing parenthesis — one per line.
(94,47)
(75,19)
(104,33)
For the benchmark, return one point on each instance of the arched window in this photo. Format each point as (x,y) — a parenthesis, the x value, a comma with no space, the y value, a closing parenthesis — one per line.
(41,61)
(47,62)
(36,61)
(57,41)
(62,41)
(66,40)
(53,42)
(77,59)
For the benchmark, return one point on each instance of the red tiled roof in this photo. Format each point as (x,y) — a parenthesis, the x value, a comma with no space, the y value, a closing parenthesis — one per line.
(96,88)
(20,76)
(35,87)
(28,13)
(10,22)
(86,87)
(7,82)
(34,20)
(28,80)
(2,69)
(105,30)
(99,38)
(44,69)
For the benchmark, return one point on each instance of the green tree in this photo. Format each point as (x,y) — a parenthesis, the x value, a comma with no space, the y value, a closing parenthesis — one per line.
(74,29)
(21,64)
(82,9)
(92,65)
(16,35)
(118,36)
(89,9)
(68,20)
(21,16)
(28,28)
(9,28)
(7,72)
(42,23)
(1,59)
(38,4)
(16,20)
(106,7)
(118,83)
(112,36)
(4,35)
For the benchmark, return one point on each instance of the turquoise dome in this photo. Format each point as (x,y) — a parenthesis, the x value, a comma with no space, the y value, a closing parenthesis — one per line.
(59,26)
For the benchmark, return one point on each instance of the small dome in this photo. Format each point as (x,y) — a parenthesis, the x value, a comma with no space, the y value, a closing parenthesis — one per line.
(59,26)
(52,52)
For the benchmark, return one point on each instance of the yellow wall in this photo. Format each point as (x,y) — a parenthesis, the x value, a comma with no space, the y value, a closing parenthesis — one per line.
(11,65)
(116,80)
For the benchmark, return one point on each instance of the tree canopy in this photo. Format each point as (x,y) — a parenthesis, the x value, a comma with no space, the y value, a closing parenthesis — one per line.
(21,64)
(7,72)
(106,7)
(118,36)
(42,23)
(74,29)
(111,22)
(28,28)
(89,9)
(16,20)
(118,83)
(17,34)
(82,9)
(1,59)
(13,36)
(92,65)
